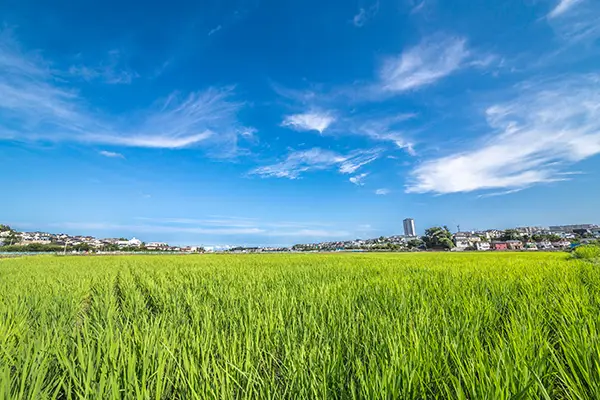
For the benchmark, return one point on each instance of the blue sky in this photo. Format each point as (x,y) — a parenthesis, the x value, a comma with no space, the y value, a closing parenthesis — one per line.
(279,122)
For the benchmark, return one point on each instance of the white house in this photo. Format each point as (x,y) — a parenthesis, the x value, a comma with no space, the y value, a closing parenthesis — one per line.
(465,240)
(482,246)
(462,243)
(544,245)
(561,244)
(135,242)
(129,243)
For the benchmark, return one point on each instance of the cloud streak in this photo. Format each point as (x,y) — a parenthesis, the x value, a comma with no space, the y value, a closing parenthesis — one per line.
(562,7)
(110,72)
(359,180)
(384,130)
(38,103)
(310,121)
(576,22)
(430,61)
(215,30)
(316,159)
(364,15)
(110,154)
(259,230)
(546,128)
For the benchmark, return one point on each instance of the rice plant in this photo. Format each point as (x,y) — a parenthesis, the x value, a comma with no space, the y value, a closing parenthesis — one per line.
(359,326)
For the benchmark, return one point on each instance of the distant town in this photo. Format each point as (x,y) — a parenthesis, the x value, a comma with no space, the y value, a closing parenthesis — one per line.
(559,237)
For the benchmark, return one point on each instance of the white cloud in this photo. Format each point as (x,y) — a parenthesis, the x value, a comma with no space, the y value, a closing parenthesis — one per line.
(382,192)
(361,18)
(317,121)
(385,129)
(232,222)
(314,160)
(155,228)
(576,22)
(113,71)
(314,233)
(417,7)
(354,162)
(237,222)
(358,179)
(264,230)
(502,193)
(45,107)
(111,154)
(547,127)
(215,30)
(433,59)
(562,7)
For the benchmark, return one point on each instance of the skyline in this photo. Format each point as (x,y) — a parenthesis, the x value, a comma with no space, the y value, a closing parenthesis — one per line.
(552,229)
(274,123)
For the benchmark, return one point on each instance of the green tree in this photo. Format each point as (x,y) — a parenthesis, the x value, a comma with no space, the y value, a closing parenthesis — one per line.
(12,239)
(511,234)
(438,238)
(4,228)
(82,247)
(415,243)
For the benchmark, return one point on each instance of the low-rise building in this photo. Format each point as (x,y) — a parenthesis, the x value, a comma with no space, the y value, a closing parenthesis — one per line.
(531,246)
(157,246)
(561,244)
(514,244)
(482,246)
(462,243)
(492,234)
(499,246)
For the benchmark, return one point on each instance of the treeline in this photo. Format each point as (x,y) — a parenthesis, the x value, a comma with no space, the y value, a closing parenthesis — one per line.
(42,248)
(4,228)
(56,248)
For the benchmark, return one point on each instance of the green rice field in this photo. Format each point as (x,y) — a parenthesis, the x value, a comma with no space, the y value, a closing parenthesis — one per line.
(300,326)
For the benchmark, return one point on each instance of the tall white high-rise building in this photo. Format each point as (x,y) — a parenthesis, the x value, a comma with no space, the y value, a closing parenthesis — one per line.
(409,227)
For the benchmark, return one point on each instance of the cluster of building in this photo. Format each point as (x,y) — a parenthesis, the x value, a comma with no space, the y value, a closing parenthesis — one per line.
(527,238)
(482,242)
(521,238)
(381,243)
(9,237)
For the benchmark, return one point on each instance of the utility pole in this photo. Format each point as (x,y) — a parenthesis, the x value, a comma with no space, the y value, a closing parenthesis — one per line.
(457,228)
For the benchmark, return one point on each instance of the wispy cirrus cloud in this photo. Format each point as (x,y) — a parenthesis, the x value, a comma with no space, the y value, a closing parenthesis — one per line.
(232,222)
(358,180)
(562,7)
(37,102)
(215,30)
(382,192)
(316,159)
(111,154)
(377,128)
(385,129)
(433,59)
(547,127)
(147,228)
(356,160)
(113,71)
(160,227)
(576,21)
(310,121)
(364,15)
